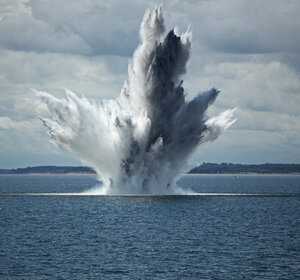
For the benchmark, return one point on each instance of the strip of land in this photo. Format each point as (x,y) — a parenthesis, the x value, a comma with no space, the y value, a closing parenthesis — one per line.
(205,168)
(50,170)
(230,168)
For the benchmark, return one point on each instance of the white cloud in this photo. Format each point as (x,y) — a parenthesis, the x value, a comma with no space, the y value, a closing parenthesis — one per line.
(29,107)
(20,71)
(28,34)
(75,27)
(246,26)
(251,146)
(13,8)
(252,85)
(22,136)
(8,123)
(26,143)
(267,121)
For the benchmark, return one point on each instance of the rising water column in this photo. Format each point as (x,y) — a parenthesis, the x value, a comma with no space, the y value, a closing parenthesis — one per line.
(140,141)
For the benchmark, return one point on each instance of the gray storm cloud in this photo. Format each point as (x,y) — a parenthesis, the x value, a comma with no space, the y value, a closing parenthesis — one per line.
(140,142)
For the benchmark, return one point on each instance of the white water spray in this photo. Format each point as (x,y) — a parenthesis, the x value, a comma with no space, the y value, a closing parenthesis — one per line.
(139,142)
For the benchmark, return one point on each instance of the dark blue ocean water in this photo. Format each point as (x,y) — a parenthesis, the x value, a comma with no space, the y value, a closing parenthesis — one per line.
(188,237)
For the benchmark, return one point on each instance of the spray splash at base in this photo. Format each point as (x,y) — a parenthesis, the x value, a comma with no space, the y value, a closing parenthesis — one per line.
(139,142)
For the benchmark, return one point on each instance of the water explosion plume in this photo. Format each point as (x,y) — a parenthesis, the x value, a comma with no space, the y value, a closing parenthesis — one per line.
(139,142)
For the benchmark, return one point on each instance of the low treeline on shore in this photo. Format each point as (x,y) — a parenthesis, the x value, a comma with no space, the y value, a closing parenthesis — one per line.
(49,170)
(205,168)
(230,168)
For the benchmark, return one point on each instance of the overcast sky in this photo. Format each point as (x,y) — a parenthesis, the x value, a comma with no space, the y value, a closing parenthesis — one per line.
(250,50)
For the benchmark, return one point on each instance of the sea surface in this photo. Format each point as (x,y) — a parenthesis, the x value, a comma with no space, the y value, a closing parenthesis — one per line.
(243,227)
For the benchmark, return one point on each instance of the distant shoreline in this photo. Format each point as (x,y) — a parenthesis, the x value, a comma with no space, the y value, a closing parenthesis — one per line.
(242,174)
(44,173)
(203,169)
